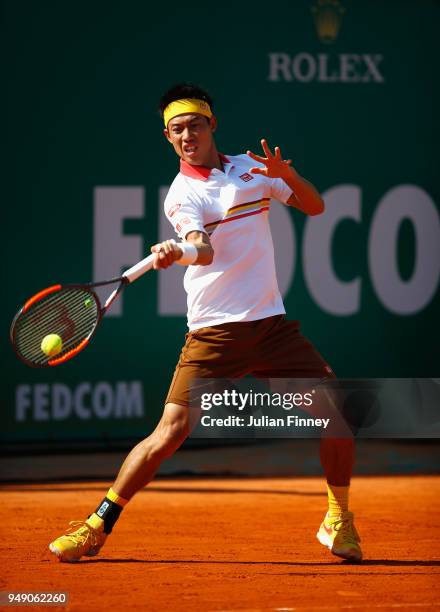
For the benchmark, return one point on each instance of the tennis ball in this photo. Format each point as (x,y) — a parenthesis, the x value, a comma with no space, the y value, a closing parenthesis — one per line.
(88,302)
(51,345)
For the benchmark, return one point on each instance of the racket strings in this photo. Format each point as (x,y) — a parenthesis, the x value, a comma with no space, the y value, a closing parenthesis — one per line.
(71,313)
(66,311)
(81,332)
(52,320)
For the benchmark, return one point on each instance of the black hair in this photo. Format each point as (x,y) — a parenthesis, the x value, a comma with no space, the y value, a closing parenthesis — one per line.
(183,90)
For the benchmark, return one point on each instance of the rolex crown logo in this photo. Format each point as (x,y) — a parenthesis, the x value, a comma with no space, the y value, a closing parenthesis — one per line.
(328,17)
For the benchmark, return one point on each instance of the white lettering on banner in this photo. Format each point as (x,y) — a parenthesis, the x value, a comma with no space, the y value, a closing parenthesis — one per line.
(371,62)
(22,401)
(103,400)
(171,297)
(41,402)
(330,293)
(398,296)
(325,68)
(282,226)
(405,297)
(113,251)
(129,400)
(61,402)
(304,67)
(78,402)
(279,62)
(324,76)
(349,63)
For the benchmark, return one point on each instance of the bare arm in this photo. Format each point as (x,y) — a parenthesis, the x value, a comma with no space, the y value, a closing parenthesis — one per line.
(305,196)
(204,247)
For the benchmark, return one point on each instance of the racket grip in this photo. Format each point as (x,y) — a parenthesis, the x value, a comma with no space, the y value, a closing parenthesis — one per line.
(138,269)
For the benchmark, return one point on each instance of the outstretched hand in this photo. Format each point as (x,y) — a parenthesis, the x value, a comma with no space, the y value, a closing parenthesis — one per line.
(275,165)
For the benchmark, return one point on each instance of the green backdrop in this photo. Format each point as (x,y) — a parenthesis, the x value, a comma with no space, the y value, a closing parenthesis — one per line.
(348,90)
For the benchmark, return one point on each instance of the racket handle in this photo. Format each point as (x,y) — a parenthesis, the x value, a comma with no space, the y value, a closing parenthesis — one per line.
(138,269)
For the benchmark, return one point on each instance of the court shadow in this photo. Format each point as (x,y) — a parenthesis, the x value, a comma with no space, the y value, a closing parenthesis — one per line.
(402,563)
(230,490)
(154,489)
(367,562)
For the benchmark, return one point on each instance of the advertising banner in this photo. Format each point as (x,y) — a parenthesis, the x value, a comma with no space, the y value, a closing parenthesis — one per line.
(348,90)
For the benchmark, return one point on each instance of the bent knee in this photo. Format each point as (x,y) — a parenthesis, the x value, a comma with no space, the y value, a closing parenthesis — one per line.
(173,427)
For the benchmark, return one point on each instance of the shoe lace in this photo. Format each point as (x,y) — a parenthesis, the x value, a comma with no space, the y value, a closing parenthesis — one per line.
(344,525)
(80,532)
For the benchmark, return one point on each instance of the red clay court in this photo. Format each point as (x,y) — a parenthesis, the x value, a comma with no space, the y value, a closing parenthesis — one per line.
(231,545)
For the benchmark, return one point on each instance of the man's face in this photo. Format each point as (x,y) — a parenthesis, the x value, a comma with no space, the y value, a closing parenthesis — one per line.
(192,137)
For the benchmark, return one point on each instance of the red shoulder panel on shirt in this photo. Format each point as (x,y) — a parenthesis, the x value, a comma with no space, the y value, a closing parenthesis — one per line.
(199,172)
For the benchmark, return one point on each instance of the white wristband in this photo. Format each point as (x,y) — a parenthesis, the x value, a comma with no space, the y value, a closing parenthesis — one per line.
(190,253)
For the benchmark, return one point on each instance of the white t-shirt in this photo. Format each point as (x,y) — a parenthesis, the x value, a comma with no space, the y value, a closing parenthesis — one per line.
(232,207)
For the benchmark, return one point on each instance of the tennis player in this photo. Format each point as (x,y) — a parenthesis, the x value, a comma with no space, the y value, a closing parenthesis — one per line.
(219,207)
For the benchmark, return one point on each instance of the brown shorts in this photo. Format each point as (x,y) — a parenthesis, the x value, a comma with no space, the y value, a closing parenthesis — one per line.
(272,348)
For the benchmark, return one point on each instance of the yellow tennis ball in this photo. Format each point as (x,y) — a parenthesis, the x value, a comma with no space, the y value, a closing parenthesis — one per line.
(51,345)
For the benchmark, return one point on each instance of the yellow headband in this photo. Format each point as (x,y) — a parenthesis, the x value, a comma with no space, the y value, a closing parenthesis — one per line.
(184,107)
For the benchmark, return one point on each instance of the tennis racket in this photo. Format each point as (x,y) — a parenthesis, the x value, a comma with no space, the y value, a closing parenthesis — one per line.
(73,312)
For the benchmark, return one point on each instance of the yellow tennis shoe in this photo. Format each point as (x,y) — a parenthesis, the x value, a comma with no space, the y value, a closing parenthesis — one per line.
(339,534)
(80,539)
